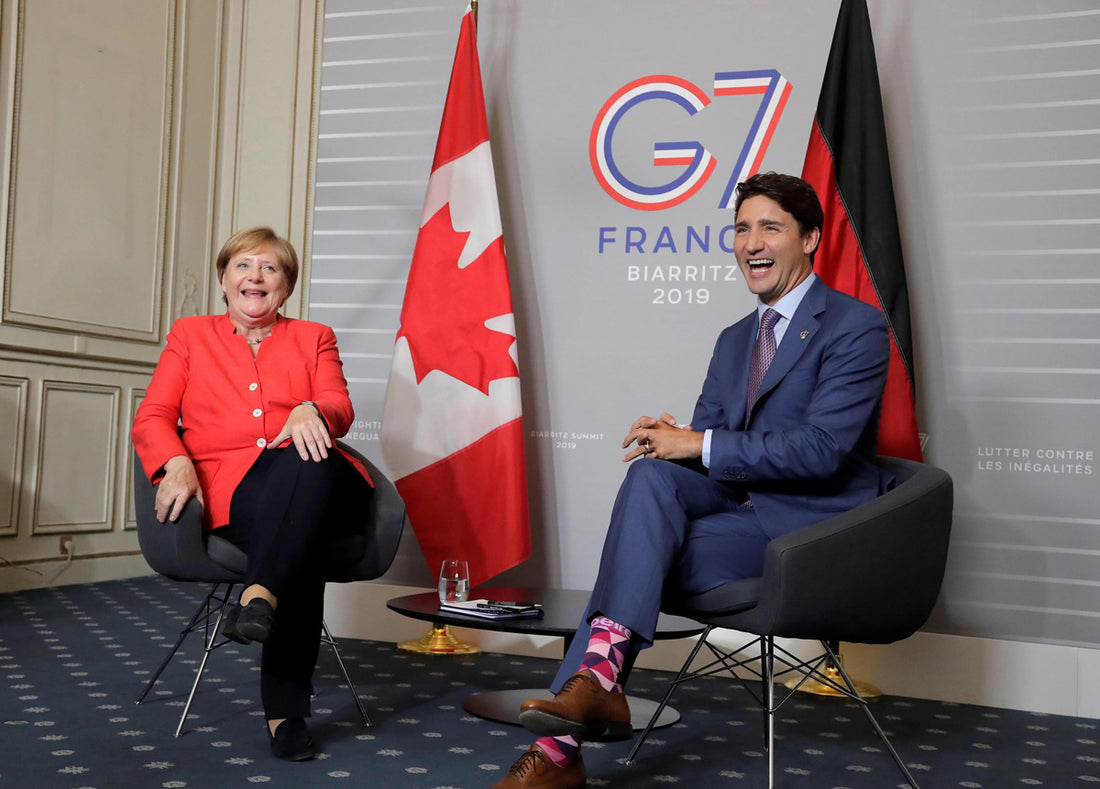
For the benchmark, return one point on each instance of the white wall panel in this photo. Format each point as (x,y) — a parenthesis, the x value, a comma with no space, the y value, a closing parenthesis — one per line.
(13,421)
(90,163)
(76,458)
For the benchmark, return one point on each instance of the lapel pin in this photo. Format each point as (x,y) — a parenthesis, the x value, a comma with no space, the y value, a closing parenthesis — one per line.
(804,334)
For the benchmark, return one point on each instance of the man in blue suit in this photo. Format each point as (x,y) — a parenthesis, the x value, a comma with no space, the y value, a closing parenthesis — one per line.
(702,501)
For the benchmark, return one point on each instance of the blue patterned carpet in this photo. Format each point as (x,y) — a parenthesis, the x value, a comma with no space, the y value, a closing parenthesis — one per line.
(73,660)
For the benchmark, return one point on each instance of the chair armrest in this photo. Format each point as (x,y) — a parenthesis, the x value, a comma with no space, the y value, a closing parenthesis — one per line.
(871,575)
(174,549)
(383,521)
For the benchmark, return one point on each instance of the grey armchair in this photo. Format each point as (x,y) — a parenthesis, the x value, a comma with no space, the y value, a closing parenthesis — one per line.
(183,552)
(870,576)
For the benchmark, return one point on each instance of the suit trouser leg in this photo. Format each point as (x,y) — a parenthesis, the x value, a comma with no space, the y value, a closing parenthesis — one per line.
(279,515)
(282,514)
(652,538)
(290,655)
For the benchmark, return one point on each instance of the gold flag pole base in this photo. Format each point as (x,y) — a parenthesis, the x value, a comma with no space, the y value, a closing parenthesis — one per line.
(833,675)
(833,660)
(819,688)
(439,641)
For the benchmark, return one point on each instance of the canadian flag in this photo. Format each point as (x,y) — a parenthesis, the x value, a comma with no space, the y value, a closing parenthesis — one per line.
(452,429)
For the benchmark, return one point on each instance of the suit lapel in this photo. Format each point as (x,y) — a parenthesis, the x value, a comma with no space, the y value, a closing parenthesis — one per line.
(804,325)
(746,339)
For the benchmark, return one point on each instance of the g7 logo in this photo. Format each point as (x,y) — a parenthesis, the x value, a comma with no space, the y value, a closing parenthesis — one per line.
(697,162)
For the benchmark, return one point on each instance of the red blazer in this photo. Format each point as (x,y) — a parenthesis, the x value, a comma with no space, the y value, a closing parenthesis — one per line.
(210,400)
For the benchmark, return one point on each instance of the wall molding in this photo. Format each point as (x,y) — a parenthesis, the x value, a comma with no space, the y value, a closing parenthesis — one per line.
(16,422)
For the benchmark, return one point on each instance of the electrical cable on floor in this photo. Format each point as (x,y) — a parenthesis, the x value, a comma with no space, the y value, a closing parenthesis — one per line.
(52,576)
(15,566)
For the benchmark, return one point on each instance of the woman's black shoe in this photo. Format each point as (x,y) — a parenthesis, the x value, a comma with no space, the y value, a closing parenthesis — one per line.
(291,741)
(255,621)
(229,624)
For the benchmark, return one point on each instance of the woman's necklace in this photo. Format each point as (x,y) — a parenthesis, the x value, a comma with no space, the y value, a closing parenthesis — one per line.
(258,340)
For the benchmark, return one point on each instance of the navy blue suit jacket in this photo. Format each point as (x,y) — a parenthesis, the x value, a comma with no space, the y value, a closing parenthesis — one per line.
(806,452)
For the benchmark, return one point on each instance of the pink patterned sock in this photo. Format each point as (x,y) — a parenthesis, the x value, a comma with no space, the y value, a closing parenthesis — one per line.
(563,751)
(607,645)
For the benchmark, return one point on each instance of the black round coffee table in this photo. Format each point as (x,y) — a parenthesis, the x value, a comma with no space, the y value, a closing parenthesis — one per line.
(563,608)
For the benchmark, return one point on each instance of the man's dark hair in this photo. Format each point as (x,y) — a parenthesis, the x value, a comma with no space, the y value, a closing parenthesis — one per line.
(794,196)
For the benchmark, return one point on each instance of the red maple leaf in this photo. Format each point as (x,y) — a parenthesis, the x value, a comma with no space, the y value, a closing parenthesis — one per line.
(445,309)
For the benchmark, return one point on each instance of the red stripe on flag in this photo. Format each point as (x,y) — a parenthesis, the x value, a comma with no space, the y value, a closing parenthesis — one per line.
(840,263)
(838,260)
(472,505)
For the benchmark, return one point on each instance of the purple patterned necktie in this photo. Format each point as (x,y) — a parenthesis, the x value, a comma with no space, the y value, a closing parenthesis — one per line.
(762,354)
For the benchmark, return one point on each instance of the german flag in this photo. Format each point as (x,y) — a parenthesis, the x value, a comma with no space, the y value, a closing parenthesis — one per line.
(860,254)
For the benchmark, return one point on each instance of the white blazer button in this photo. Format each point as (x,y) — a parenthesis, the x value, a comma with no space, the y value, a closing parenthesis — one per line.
(257,412)
(252,387)
(261,442)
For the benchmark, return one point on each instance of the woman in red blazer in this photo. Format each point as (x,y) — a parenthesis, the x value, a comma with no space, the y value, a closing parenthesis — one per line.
(242,412)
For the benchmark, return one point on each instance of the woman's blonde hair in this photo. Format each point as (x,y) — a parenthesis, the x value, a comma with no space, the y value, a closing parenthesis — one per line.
(255,237)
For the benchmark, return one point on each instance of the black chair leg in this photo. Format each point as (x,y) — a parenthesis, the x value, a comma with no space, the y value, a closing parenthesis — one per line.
(210,643)
(767,675)
(326,636)
(766,647)
(202,614)
(867,711)
(209,616)
(668,695)
(767,699)
(195,619)
(212,607)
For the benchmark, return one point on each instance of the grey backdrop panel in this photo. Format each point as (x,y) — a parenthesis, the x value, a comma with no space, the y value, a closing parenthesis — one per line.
(994,129)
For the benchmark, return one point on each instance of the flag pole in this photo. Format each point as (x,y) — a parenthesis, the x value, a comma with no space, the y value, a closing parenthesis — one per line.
(851,100)
(473,8)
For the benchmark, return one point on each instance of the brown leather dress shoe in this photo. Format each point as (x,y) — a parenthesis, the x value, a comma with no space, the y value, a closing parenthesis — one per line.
(534,769)
(581,708)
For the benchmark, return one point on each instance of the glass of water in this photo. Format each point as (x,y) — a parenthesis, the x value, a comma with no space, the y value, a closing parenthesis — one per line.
(454,581)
